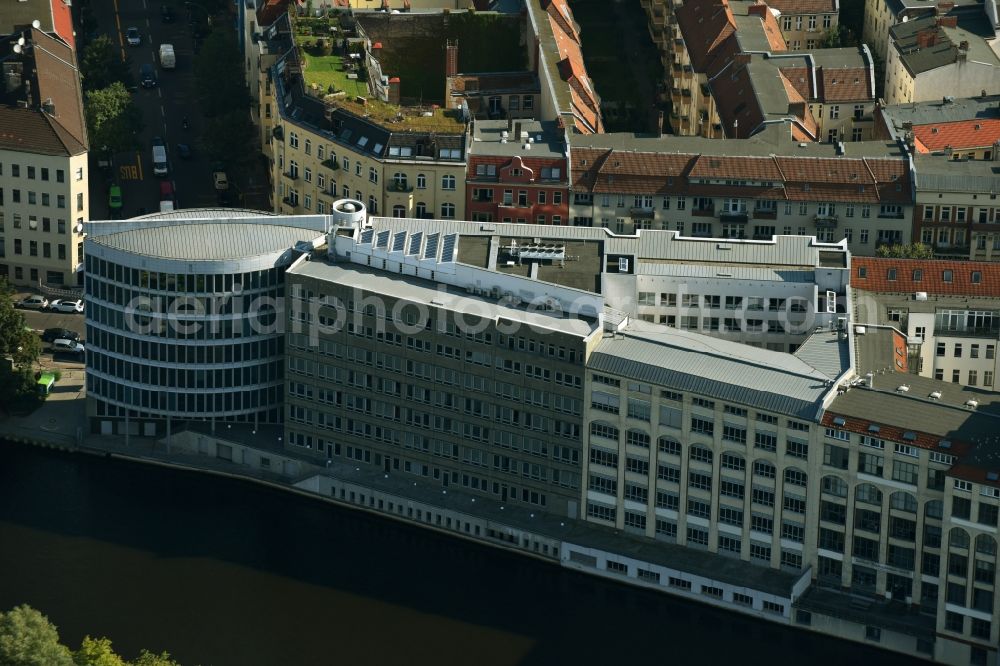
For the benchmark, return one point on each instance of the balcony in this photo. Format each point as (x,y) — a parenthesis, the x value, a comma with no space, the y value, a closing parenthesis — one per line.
(826,221)
(705,211)
(734,216)
(331,164)
(394,186)
(288,201)
(278,133)
(641,213)
(763,214)
(890,215)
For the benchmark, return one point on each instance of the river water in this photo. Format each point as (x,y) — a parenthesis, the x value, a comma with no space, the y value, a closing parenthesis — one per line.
(222,572)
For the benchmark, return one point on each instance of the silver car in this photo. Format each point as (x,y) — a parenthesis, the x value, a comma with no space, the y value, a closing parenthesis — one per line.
(34,303)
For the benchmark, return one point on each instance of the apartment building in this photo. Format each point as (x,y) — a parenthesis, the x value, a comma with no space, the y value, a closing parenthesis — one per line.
(804,22)
(408,165)
(54,16)
(44,197)
(962,128)
(948,310)
(517,172)
(956,207)
(882,15)
(933,57)
(861,192)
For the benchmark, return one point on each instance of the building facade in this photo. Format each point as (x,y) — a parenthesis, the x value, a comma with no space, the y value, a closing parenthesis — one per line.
(182,314)
(44,183)
(859,192)
(517,172)
(803,24)
(956,210)
(948,310)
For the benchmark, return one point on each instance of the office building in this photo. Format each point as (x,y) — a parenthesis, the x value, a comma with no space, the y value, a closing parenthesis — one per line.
(183,317)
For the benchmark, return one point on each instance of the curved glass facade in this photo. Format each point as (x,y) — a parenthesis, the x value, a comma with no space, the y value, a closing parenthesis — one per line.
(190,346)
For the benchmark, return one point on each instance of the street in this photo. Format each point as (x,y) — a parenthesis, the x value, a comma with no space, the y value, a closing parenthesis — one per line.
(163,109)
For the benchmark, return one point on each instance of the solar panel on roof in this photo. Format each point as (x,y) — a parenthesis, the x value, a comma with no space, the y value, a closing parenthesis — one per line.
(415,240)
(448,249)
(399,241)
(366,235)
(382,240)
(430,251)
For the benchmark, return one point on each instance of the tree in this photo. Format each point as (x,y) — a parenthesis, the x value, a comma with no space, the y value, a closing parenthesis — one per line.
(147,658)
(17,340)
(219,79)
(27,638)
(112,118)
(229,138)
(905,251)
(836,37)
(97,652)
(101,65)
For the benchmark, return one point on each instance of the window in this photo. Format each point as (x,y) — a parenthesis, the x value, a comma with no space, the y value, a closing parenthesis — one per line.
(448,211)
(448,182)
(835,456)
(421,181)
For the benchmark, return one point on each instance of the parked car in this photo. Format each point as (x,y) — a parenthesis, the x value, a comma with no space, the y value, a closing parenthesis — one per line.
(166,191)
(115,198)
(167,13)
(133,37)
(67,305)
(51,334)
(33,303)
(184,151)
(147,76)
(62,345)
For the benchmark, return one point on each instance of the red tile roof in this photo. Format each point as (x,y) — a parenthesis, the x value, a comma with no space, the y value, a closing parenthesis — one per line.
(843,84)
(705,25)
(584,99)
(893,433)
(733,167)
(798,79)
(975,133)
(931,276)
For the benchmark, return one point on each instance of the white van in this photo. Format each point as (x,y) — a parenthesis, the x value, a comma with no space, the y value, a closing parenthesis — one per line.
(160,161)
(167,58)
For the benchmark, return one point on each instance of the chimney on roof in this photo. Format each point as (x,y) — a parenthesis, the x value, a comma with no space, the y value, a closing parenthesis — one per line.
(742,58)
(945,7)
(659,123)
(517,131)
(926,38)
(963,45)
(451,58)
(757,9)
(510,122)
(393,92)
(947,21)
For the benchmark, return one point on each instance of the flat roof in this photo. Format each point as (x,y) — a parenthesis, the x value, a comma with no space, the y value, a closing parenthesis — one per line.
(547,140)
(438,295)
(731,371)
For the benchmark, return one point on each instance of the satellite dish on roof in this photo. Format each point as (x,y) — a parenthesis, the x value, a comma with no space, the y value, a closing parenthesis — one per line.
(36,24)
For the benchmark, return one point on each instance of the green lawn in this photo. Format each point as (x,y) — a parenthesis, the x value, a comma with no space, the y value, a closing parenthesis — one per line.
(326,71)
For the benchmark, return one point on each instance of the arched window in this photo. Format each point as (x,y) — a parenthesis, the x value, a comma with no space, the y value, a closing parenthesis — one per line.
(399,211)
(669,445)
(763,469)
(634,437)
(986,544)
(903,501)
(421,181)
(733,461)
(701,454)
(373,205)
(796,477)
(868,494)
(934,509)
(834,485)
(958,538)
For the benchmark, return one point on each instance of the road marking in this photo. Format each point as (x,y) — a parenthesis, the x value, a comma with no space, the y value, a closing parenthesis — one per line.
(159,91)
(138,161)
(144,4)
(163,112)
(128,172)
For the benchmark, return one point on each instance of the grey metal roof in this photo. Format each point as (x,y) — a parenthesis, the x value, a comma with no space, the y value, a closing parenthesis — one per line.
(721,369)
(645,243)
(207,241)
(419,290)
(726,272)
(939,173)
(826,352)
(917,59)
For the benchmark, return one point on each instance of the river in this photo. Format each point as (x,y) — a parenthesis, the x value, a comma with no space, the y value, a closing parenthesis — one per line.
(226,573)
